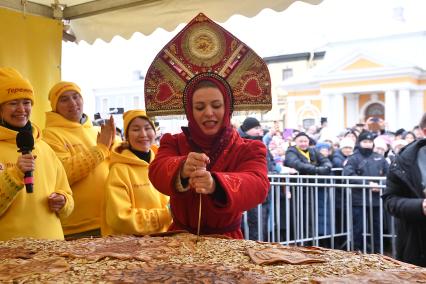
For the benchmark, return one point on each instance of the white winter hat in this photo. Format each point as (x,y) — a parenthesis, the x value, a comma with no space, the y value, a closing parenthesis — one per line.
(380,143)
(347,143)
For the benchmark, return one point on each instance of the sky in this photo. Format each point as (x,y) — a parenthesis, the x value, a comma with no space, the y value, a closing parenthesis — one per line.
(300,28)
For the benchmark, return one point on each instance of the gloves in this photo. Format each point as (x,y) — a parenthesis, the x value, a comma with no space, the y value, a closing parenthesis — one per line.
(322,170)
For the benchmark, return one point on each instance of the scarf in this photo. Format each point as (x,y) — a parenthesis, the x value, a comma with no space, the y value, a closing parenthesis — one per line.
(305,153)
(146,156)
(212,145)
(27,127)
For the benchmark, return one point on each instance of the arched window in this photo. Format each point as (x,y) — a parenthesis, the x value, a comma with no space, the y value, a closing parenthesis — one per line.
(307,122)
(375,110)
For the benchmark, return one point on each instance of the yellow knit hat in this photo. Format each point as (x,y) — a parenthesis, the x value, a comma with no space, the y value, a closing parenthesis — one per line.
(129,115)
(59,89)
(13,86)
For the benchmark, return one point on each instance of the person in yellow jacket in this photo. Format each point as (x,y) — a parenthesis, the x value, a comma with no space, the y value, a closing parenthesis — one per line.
(84,150)
(133,205)
(36,214)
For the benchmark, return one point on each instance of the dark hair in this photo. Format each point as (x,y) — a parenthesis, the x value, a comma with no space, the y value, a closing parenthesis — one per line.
(422,123)
(351,131)
(408,133)
(123,146)
(205,84)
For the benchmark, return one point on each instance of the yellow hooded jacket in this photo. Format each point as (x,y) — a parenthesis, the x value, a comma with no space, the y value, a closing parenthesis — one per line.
(27,214)
(133,205)
(86,165)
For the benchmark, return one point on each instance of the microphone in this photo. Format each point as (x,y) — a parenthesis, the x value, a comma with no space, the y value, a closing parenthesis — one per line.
(25,143)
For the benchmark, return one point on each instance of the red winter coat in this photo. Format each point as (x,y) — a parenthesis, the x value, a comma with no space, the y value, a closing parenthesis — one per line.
(241,171)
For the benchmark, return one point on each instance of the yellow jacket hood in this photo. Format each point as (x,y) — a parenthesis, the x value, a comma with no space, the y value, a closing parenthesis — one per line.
(54,119)
(127,157)
(9,135)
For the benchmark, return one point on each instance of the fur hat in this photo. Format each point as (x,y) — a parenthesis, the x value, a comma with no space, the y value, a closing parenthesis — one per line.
(13,86)
(58,89)
(249,123)
(129,115)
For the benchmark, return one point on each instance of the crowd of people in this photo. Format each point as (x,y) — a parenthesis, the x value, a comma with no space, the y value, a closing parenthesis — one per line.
(289,147)
(365,150)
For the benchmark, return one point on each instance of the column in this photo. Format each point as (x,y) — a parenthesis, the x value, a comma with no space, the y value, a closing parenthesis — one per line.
(352,110)
(390,109)
(291,118)
(325,105)
(336,114)
(404,110)
(417,103)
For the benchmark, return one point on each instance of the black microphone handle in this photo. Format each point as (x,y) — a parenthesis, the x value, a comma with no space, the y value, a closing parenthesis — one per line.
(28,185)
(28,177)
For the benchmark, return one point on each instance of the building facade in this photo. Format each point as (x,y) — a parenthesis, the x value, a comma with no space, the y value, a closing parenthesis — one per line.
(381,77)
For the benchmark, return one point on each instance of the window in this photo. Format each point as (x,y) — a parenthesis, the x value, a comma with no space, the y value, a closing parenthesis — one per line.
(137,75)
(104,105)
(287,73)
(376,110)
(308,122)
(136,102)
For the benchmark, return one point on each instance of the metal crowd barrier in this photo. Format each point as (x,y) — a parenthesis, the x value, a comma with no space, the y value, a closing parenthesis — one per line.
(318,210)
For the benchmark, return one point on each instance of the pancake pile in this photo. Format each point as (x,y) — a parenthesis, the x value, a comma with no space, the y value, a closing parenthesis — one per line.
(184,258)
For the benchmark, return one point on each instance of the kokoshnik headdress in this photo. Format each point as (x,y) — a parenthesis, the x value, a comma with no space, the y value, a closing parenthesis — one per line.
(203,49)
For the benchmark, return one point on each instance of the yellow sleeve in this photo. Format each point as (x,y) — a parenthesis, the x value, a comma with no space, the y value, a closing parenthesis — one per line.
(121,214)
(62,187)
(79,165)
(11,182)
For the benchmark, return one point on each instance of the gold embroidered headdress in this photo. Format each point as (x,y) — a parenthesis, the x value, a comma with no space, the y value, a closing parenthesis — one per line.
(204,47)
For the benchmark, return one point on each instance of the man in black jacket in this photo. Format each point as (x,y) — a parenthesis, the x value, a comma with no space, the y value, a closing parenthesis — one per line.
(364,162)
(307,161)
(251,129)
(405,198)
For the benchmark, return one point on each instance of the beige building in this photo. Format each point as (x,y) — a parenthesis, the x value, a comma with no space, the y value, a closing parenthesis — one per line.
(282,68)
(383,77)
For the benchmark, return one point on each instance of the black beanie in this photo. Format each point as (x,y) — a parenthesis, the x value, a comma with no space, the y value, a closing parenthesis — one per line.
(249,123)
(365,135)
(301,134)
(400,131)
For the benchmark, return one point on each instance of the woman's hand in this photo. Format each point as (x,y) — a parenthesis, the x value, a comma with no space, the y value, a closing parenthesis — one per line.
(193,162)
(56,201)
(26,163)
(202,181)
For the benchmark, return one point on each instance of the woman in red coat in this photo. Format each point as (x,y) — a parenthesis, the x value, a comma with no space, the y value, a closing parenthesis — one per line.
(211,174)
(210,160)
